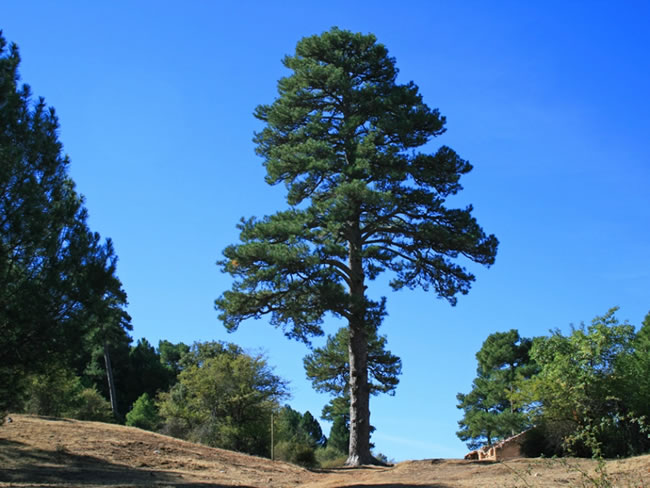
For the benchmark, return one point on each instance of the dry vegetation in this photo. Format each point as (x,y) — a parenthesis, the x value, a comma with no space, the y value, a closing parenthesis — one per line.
(42,452)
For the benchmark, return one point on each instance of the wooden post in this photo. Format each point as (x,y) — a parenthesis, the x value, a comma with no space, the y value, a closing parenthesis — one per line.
(272,437)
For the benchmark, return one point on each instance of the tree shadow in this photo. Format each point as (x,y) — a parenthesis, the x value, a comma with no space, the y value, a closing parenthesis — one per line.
(23,464)
(396,485)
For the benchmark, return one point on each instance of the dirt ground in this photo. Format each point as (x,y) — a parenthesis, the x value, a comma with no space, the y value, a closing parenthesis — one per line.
(44,452)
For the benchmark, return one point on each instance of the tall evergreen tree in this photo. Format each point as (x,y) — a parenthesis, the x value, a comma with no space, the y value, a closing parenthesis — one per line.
(342,136)
(57,278)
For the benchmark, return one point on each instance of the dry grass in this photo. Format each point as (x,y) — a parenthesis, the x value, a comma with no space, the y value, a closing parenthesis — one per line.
(43,452)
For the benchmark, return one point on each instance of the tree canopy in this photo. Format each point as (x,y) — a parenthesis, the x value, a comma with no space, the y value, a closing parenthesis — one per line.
(57,278)
(223,398)
(343,137)
(585,393)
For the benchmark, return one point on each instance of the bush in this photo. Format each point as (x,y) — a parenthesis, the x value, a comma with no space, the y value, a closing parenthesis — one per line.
(55,393)
(93,406)
(143,414)
(330,457)
(295,452)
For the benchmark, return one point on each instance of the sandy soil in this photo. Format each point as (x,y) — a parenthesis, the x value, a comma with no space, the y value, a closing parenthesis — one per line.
(43,452)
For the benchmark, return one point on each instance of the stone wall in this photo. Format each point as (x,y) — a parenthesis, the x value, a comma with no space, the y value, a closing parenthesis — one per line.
(509,448)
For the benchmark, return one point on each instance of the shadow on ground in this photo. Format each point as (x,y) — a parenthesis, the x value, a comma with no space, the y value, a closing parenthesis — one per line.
(395,485)
(24,464)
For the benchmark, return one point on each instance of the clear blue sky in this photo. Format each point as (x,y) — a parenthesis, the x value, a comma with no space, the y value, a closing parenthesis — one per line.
(550,101)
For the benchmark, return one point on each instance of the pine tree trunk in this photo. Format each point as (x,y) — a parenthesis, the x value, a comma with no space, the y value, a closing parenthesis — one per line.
(111,382)
(359,448)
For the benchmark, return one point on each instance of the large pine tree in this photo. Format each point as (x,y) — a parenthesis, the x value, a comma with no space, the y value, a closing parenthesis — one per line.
(342,136)
(57,278)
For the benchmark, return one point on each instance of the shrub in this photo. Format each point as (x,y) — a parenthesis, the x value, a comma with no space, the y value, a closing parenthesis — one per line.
(295,452)
(330,457)
(143,414)
(93,406)
(55,393)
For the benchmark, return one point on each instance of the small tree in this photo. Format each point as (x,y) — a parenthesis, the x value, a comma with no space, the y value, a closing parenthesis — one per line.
(224,398)
(93,406)
(580,397)
(60,393)
(148,374)
(297,437)
(490,412)
(144,414)
(55,393)
(343,136)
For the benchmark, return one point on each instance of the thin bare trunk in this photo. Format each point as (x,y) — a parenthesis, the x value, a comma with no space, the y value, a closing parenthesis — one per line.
(111,382)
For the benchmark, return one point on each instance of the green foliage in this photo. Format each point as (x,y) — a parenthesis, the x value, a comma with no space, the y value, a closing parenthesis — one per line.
(93,406)
(171,355)
(489,410)
(55,393)
(339,438)
(343,137)
(586,394)
(297,437)
(93,366)
(296,452)
(635,372)
(331,457)
(223,398)
(144,414)
(583,396)
(328,367)
(147,373)
(310,426)
(57,278)
(60,393)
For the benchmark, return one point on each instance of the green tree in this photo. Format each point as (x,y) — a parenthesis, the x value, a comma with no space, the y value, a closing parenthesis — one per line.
(144,414)
(171,355)
(490,413)
(60,393)
(339,438)
(93,406)
(148,374)
(636,368)
(57,280)
(108,346)
(343,138)
(579,395)
(297,436)
(310,426)
(55,393)
(224,398)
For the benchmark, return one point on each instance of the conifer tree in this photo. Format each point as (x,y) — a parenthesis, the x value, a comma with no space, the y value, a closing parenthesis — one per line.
(57,278)
(490,412)
(343,137)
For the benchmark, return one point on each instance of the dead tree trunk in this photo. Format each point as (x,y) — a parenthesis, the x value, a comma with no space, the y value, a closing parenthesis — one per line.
(111,382)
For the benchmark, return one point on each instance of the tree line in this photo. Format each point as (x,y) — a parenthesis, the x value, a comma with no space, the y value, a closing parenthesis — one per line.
(585,394)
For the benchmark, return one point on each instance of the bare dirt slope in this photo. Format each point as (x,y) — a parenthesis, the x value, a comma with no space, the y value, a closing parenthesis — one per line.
(36,451)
